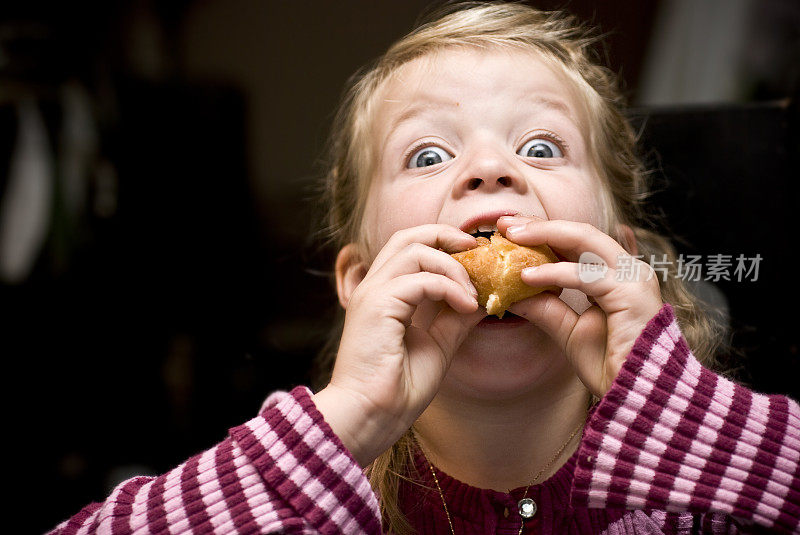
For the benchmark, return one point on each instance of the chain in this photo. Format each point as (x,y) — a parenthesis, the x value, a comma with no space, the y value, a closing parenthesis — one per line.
(525,494)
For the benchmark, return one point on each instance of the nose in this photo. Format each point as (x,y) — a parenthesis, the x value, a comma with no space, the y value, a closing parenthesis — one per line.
(488,171)
(501,182)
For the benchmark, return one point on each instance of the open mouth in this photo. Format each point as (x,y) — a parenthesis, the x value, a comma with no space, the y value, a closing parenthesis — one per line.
(484,231)
(485,224)
(509,319)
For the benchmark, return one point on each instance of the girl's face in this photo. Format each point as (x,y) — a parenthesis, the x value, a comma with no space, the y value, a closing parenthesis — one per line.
(463,137)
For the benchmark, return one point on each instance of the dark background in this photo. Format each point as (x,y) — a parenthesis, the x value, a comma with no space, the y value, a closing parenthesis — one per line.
(179,282)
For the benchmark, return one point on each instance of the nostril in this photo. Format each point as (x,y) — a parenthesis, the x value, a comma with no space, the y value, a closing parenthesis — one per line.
(474,183)
(504,181)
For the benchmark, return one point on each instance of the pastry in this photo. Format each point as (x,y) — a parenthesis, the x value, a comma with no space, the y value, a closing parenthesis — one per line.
(494,267)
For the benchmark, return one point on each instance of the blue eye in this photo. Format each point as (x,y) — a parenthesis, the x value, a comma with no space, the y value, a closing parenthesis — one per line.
(428,156)
(540,148)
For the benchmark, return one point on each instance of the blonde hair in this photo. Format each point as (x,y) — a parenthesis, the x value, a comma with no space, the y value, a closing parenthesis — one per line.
(611,140)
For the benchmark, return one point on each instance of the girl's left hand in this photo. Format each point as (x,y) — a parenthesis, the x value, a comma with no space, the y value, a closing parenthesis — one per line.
(597,341)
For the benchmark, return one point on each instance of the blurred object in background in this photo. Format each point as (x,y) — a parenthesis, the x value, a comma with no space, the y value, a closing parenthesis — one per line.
(717,51)
(133,278)
(28,195)
(159,274)
(50,145)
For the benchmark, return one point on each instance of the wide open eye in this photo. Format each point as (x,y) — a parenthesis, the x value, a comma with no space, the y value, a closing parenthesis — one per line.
(428,156)
(540,148)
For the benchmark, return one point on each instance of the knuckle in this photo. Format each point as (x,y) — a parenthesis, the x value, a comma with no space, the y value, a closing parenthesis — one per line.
(547,307)
(416,248)
(427,278)
(397,238)
(398,234)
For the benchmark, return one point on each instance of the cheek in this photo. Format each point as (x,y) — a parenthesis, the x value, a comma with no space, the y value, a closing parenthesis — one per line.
(575,200)
(397,208)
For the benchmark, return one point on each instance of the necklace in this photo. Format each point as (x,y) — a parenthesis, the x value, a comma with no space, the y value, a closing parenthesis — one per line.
(526,506)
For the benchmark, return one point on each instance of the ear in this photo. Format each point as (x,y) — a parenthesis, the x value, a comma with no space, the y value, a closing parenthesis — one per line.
(628,239)
(350,271)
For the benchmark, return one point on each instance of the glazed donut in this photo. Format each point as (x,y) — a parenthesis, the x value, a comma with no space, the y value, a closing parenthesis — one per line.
(494,267)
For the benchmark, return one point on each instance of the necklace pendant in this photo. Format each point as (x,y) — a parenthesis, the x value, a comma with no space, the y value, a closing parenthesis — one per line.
(527,508)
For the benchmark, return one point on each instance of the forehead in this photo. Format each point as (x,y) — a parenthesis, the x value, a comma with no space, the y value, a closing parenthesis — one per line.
(470,76)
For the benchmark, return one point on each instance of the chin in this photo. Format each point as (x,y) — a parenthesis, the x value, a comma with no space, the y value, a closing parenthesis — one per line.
(505,363)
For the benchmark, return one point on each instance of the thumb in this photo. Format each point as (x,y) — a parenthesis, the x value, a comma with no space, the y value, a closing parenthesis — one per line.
(450,328)
(582,337)
(548,312)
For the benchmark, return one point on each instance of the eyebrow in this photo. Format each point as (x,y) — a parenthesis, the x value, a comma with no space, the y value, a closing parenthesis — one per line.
(416,109)
(555,104)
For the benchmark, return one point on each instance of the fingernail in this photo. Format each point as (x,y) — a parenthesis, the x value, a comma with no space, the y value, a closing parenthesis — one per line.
(472,291)
(528,271)
(515,229)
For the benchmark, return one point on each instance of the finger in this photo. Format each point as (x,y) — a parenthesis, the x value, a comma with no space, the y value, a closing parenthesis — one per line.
(586,350)
(550,314)
(594,284)
(437,236)
(417,257)
(426,313)
(570,239)
(582,337)
(410,291)
(449,330)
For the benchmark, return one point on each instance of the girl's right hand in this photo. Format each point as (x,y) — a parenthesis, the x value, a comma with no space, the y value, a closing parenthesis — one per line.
(403,323)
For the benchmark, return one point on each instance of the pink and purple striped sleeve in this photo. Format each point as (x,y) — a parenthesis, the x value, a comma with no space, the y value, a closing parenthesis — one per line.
(672,435)
(284,471)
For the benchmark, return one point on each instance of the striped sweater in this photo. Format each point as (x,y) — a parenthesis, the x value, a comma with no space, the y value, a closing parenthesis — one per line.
(671,448)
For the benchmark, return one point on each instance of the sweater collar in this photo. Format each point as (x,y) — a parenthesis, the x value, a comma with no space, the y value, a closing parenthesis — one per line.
(471,503)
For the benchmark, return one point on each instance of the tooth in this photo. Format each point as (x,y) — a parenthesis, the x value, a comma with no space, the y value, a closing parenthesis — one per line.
(487,228)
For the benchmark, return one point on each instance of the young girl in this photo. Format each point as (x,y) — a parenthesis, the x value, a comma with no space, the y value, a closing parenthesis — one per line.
(440,419)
